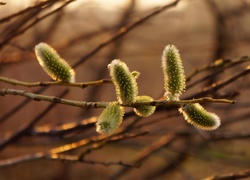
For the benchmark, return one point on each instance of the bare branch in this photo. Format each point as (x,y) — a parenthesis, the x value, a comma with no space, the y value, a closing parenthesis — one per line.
(39,5)
(125,30)
(37,20)
(68,147)
(219,85)
(88,105)
(24,128)
(76,159)
(146,152)
(231,176)
(64,128)
(54,83)
(19,106)
(219,65)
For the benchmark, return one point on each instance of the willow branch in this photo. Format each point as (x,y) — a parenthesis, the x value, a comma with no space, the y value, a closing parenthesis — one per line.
(146,152)
(37,20)
(25,127)
(76,159)
(88,105)
(220,63)
(64,128)
(124,30)
(67,147)
(19,106)
(39,5)
(54,83)
(219,85)
(239,175)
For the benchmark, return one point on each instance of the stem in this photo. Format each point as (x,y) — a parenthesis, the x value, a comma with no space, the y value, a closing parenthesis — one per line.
(88,105)
(54,83)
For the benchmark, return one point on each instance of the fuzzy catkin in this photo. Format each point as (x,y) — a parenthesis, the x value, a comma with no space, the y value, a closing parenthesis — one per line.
(124,81)
(110,119)
(56,67)
(144,110)
(173,71)
(196,115)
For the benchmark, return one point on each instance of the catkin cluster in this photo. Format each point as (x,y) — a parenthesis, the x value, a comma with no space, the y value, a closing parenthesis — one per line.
(126,89)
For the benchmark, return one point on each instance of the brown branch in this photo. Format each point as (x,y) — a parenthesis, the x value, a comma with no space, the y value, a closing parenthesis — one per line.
(24,128)
(37,20)
(223,137)
(173,164)
(39,5)
(219,66)
(231,176)
(76,159)
(63,129)
(88,105)
(54,83)
(53,99)
(146,152)
(18,107)
(124,30)
(67,147)
(219,85)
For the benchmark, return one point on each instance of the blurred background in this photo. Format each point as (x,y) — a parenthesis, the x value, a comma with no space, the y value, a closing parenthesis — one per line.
(89,34)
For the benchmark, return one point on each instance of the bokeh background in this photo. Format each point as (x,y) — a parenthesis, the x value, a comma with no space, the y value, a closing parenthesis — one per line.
(203,30)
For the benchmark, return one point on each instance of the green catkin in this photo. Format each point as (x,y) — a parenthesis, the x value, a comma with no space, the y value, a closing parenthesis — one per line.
(144,110)
(174,75)
(124,81)
(110,119)
(56,67)
(196,115)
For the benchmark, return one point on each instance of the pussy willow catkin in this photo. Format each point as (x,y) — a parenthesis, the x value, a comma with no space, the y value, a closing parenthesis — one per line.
(144,110)
(110,119)
(56,67)
(173,71)
(125,82)
(196,115)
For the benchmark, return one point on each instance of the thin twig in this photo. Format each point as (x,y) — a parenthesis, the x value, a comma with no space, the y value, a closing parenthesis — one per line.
(54,83)
(146,152)
(76,159)
(67,147)
(24,128)
(124,30)
(223,137)
(54,99)
(19,106)
(219,63)
(88,105)
(219,85)
(63,129)
(231,176)
(39,5)
(37,20)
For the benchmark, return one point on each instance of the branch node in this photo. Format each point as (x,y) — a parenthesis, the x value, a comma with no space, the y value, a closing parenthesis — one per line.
(57,100)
